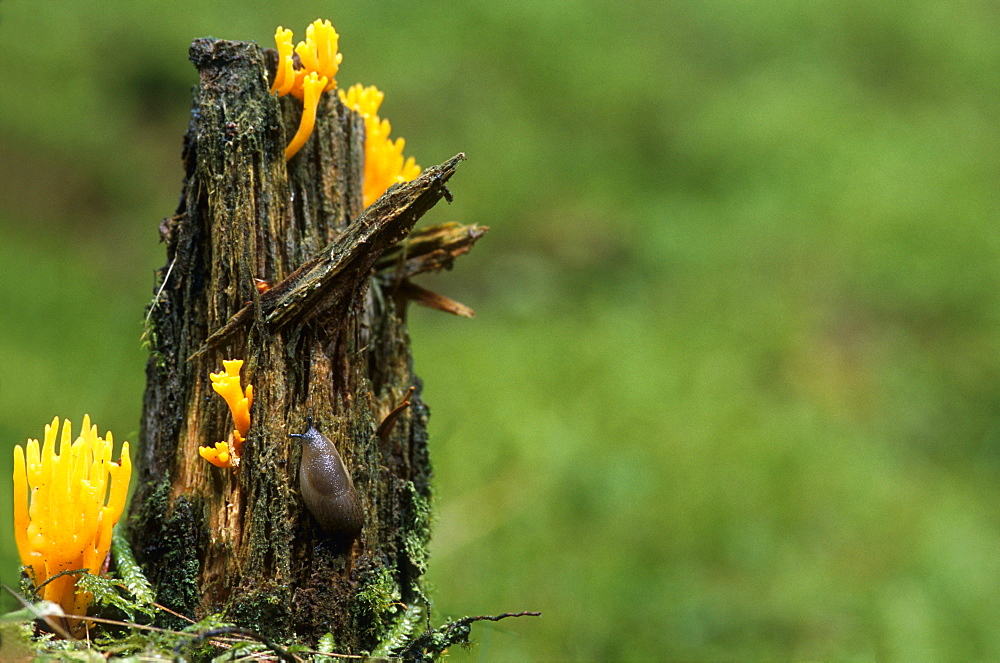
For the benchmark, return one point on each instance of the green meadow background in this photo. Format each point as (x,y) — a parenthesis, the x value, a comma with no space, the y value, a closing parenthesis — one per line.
(733,387)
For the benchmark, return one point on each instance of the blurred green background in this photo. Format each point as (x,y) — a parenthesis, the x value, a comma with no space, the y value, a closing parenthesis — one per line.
(733,390)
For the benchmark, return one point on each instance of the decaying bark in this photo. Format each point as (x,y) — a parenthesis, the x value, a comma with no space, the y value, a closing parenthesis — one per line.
(327,340)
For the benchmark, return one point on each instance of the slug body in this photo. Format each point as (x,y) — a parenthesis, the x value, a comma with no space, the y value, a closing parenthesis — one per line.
(326,486)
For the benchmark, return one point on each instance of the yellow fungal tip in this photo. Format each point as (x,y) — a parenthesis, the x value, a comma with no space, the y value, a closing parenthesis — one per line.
(384,162)
(227,385)
(313,73)
(218,455)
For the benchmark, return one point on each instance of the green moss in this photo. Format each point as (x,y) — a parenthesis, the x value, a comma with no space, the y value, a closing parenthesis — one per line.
(263,610)
(378,592)
(400,632)
(27,583)
(376,603)
(169,550)
(108,591)
(197,649)
(150,343)
(178,585)
(326,645)
(126,568)
(418,533)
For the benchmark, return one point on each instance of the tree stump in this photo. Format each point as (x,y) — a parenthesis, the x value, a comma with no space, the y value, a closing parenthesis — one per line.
(328,340)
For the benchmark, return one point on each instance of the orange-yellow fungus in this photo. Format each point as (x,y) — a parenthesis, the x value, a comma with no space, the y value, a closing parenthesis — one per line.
(318,53)
(312,86)
(384,162)
(76,497)
(227,385)
(284,78)
(217,455)
(313,73)
(364,100)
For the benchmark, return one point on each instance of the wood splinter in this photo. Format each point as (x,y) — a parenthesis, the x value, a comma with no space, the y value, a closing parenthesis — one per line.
(387,424)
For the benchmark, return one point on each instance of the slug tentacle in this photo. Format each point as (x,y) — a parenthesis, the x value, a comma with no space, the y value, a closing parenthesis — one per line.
(326,486)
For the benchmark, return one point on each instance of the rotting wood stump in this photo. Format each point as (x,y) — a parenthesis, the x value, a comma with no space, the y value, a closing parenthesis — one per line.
(328,340)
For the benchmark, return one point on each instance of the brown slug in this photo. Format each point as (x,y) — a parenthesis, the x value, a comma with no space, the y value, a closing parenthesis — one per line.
(327,487)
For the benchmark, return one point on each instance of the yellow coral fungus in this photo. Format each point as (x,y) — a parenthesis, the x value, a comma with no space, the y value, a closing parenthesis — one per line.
(227,385)
(285,76)
(312,87)
(318,53)
(218,455)
(384,163)
(67,525)
(307,78)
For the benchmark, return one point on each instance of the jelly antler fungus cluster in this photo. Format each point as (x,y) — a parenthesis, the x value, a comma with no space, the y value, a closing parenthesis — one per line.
(227,385)
(314,72)
(66,525)
(384,164)
(308,77)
